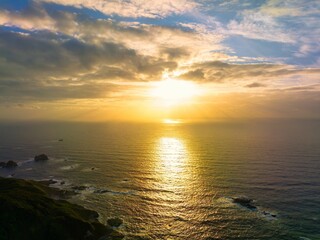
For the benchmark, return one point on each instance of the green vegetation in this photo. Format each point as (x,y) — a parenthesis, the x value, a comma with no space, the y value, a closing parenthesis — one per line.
(28,211)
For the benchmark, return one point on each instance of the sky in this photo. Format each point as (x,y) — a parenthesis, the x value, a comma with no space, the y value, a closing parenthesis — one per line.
(136,60)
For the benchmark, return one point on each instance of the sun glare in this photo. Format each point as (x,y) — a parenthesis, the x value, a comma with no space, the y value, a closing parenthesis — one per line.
(171,121)
(172,92)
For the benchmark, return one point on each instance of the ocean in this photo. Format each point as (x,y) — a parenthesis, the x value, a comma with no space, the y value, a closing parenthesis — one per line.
(178,181)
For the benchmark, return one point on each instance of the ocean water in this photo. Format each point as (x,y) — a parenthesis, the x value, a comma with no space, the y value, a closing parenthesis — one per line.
(177,181)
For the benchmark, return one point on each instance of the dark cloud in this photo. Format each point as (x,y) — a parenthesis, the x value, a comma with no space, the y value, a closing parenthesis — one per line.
(38,64)
(216,71)
(32,91)
(174,53)
(255,85)
(197,74)
(302,88)
(110,73)
(39,57)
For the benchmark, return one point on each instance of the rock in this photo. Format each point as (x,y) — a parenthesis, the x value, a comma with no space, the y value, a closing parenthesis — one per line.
(179,219)
(245,202)
(41,157)
(269,215)
(79,188)
(114,222)
(28,212)
(100,191)
(11,164)
(48,182)
(60,140)
(62,182)
(62,194)
(242,200)
(3,164)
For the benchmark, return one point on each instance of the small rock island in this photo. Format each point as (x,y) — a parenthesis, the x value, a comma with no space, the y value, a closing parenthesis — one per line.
(245,202)
(41,157)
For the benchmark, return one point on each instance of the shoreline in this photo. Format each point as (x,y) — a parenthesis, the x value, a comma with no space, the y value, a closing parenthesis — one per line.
(33,210)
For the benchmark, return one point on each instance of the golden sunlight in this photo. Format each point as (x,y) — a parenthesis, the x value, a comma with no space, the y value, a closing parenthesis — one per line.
(171,121)
(171,92)
(173,155)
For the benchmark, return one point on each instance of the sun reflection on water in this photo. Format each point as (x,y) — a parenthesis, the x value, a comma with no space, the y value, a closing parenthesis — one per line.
(173,155)
(179,197)
(173,168)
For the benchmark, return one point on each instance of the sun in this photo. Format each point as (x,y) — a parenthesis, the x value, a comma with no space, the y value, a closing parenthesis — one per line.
(171,121)
(174,92)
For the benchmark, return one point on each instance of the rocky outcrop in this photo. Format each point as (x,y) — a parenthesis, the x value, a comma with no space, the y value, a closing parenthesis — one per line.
(245,202)
(41,157)
(48,182)
(28,212)
(79,188)
(114,222)
(9,164)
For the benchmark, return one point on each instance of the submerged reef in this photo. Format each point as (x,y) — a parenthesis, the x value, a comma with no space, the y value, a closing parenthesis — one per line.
(32,210)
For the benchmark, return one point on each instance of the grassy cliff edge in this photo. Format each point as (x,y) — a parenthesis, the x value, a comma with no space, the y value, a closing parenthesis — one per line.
(28,211)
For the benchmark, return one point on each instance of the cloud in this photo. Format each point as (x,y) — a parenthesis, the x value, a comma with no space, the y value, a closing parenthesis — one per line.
(258,25)
(31,91)
(308,36)
(46,53)
(171,42)
(293,8)
(196,75)
(132,8)
(217,71)
(255,85)
(51,53)
(313,87)
(46,65)
(65,52)
(174,53)
(34,16)
(293,22)
(225,6)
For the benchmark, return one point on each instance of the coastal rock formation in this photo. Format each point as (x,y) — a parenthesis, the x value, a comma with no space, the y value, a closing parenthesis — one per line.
(9,164)
(114,222)
(245,202)
(269,215)
(41,157)
(100,191)
(28,212)
(48,182)
(79,188)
